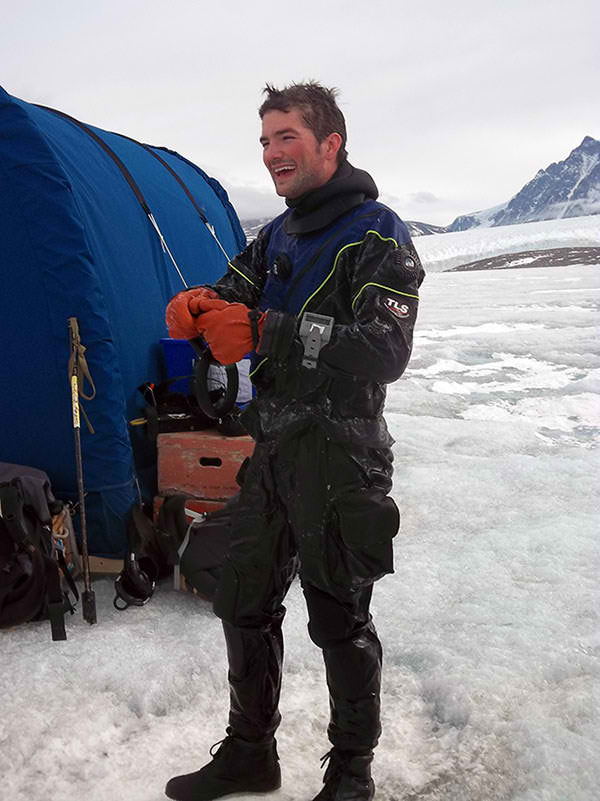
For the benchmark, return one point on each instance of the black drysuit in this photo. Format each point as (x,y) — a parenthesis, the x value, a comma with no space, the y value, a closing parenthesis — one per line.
(314,494)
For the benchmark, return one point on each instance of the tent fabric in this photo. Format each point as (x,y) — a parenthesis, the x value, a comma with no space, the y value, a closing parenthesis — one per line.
(76,242)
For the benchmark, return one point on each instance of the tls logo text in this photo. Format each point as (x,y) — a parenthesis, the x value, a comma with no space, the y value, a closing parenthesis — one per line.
(399,309)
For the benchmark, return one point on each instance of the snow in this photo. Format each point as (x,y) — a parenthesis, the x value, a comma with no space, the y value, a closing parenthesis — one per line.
(485,215)
(442,251)
(521,262)
(490,624)
(588,162)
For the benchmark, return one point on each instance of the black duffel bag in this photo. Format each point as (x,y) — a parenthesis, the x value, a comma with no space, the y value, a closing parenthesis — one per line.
(204,544)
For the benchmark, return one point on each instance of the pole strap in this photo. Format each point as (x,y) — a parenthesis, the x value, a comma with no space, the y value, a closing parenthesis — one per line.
(79,372)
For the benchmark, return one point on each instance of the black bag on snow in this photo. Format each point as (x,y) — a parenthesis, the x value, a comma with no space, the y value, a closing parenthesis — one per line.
(203,544)
(31,587)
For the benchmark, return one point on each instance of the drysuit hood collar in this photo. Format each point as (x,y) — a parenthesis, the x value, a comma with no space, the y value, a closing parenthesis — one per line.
(348,187)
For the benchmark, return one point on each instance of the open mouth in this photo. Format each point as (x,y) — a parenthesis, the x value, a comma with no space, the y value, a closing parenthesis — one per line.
(283,171)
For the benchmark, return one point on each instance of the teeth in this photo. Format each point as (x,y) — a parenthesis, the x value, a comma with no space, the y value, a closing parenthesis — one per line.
(277,170)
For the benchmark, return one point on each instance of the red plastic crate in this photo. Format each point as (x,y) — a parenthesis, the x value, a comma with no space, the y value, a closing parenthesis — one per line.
(201,464)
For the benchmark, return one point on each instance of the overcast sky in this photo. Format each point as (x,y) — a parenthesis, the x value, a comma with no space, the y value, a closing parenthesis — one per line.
(451,106)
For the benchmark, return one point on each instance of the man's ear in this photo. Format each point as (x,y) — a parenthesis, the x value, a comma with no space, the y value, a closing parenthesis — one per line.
(333,143)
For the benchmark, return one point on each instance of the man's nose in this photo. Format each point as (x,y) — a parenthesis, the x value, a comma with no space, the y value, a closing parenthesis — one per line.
(272,151)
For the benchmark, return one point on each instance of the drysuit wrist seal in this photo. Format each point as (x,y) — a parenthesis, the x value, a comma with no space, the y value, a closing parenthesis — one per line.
(254,316)
(278,333)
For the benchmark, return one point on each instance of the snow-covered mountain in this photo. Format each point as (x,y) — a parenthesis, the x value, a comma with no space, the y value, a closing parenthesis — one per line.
(253,226)
(568,188)
(476,219)
(421,228)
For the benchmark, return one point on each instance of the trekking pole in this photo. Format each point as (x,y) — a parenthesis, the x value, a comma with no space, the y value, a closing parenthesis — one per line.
(88,598)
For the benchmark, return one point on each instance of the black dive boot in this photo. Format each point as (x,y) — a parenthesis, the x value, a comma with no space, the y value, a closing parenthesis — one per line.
(238,766)
(347,778)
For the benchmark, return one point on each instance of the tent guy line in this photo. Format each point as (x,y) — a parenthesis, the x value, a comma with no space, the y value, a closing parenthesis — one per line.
(135,188)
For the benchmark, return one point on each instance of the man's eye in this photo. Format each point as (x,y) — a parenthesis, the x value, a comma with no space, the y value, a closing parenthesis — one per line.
(289,136)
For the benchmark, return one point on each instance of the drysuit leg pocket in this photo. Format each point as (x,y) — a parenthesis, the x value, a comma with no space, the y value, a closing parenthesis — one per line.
(359,537)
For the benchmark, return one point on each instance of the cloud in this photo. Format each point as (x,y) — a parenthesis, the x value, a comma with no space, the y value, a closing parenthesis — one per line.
(393,201)
(421,206)
(252,203)
(424,197)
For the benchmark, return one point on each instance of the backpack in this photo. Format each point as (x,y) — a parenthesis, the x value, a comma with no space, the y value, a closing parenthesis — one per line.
(35,581)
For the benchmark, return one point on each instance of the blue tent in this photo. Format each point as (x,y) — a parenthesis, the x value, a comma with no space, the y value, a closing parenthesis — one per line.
(76,242)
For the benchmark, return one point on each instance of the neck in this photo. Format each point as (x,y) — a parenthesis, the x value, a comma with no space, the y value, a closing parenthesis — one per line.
(314,210)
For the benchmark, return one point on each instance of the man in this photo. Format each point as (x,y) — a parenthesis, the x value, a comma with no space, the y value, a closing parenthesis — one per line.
(326,297)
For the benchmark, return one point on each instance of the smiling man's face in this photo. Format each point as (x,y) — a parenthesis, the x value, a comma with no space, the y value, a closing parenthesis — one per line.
(295,159)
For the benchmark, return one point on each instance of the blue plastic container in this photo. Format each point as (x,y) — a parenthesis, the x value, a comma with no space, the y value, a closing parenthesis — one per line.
(179,360)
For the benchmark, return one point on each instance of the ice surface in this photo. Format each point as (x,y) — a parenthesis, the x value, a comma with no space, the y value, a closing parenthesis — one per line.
(440,252)
(490,625)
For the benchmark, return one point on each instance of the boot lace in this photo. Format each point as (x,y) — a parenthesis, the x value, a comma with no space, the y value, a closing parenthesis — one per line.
(335,767)
(217,747)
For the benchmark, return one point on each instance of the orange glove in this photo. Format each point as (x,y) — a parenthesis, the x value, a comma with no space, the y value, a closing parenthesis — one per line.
(227,328)
(205,302)
(182,310)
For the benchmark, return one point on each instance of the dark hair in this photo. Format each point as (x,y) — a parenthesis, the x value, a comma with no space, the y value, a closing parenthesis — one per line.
(317,105)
